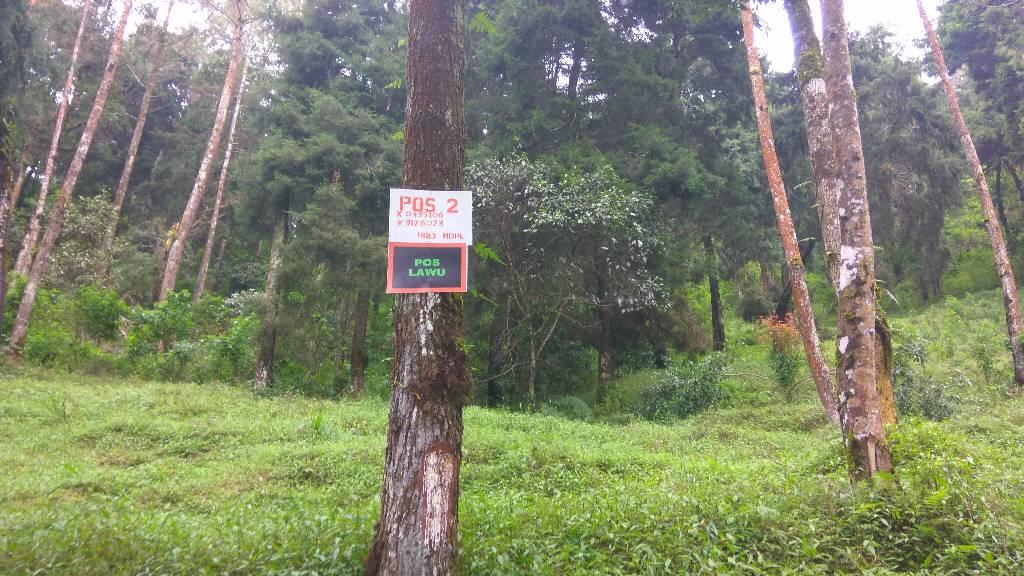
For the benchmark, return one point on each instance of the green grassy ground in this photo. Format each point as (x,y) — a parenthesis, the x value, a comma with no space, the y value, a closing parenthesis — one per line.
(103,477)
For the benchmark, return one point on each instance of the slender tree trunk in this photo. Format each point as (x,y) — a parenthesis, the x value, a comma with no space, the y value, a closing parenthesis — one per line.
(998,198)
(5,218)
(359,359)
(1010,299)
(28,246)
(824,171)
(417,532)
(19,184)
(494,351)
(859,405)
(786,298)
(605,357)
(268,324)
(218,200)
(787,232)
(156,52)
(717,316)
(531,380)
(218,264)
(195,199)
(1017,183)
(56,220)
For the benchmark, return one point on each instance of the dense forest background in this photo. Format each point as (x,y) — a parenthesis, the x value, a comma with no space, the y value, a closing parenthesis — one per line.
(622,218)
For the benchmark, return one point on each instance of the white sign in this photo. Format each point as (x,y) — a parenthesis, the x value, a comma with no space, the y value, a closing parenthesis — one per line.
(431,217)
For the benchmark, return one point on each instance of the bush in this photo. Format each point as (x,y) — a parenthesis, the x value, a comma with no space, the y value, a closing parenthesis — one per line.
(783,339)
(571,407)
(915,393)
(99,311)
(684,391)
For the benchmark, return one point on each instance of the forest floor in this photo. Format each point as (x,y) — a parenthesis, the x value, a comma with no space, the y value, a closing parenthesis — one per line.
(112,478)
(115,477)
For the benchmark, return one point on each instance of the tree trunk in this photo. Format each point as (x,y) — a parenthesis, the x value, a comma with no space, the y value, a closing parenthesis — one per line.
(19,184)
(998,199)
(859,406)
(56,220)
(1017,183)
(605,358)
(417,532)
(5,217)
(1010,299)
(786,298)
(28,246)
(268,324)
(218,200)
(787,232)
(359,359)
(717,319)
(195,199)
(218,264)
(824,171)
(494,351)
(156,52)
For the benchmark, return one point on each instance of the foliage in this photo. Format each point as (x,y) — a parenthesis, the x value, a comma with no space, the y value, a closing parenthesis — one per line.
(685,391)
(783,338)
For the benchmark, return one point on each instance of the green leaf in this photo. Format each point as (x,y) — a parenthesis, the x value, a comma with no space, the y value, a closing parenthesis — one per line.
(485,253)
(397,84)
(482,24)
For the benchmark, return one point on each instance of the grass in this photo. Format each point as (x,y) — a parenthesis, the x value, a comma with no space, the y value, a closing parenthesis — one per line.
(117,477)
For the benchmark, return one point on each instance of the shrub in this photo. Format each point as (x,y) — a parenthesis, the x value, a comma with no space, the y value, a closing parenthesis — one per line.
(783,338)
(684,391)
(915,393)
(571,407)
(99,311)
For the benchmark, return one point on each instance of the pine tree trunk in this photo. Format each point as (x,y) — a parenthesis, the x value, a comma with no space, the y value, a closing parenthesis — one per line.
(605,357)
(359,359)
(717,317)
(859,405)
(156,53)
(19,184)
(824,171)
(28,246)
(195,199)
(995,235)
(787,232)
(494,350)
(204,264)
(417,532)
(57,213)
(268,324)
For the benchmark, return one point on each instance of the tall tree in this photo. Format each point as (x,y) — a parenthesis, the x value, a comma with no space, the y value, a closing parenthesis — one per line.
(218,200)
(188,217)
(859,406)
(28,246)
(1009,284)
(57,213)
(268,321)
(156,54)
(790,247)
(417,531)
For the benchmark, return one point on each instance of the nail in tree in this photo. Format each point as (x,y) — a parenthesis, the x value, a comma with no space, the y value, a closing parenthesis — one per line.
(417,529)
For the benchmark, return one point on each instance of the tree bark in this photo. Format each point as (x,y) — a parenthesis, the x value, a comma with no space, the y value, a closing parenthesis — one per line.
(359,359)
(859,406)
(717,319)
(264,373)
(1009,283)
(28,246)
(57,213)
(824,171)
(19,184)
(156,52)
(417,532)
(204,264)
(787,232)
(786,298)
(177,249)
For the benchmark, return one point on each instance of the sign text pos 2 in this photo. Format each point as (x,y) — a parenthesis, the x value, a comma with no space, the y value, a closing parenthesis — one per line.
(428,236)
(431,217)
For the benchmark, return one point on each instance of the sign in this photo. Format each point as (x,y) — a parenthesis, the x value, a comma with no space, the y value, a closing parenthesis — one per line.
(431,217)
(415,268)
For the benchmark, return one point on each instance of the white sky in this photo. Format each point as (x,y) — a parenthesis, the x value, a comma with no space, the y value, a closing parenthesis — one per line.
(774,39)
(899,16)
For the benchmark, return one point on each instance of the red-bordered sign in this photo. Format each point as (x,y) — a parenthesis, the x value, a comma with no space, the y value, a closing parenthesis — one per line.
(422,268)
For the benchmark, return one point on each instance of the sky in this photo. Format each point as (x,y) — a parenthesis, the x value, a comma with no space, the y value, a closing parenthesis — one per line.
(774,39)
(899,16)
